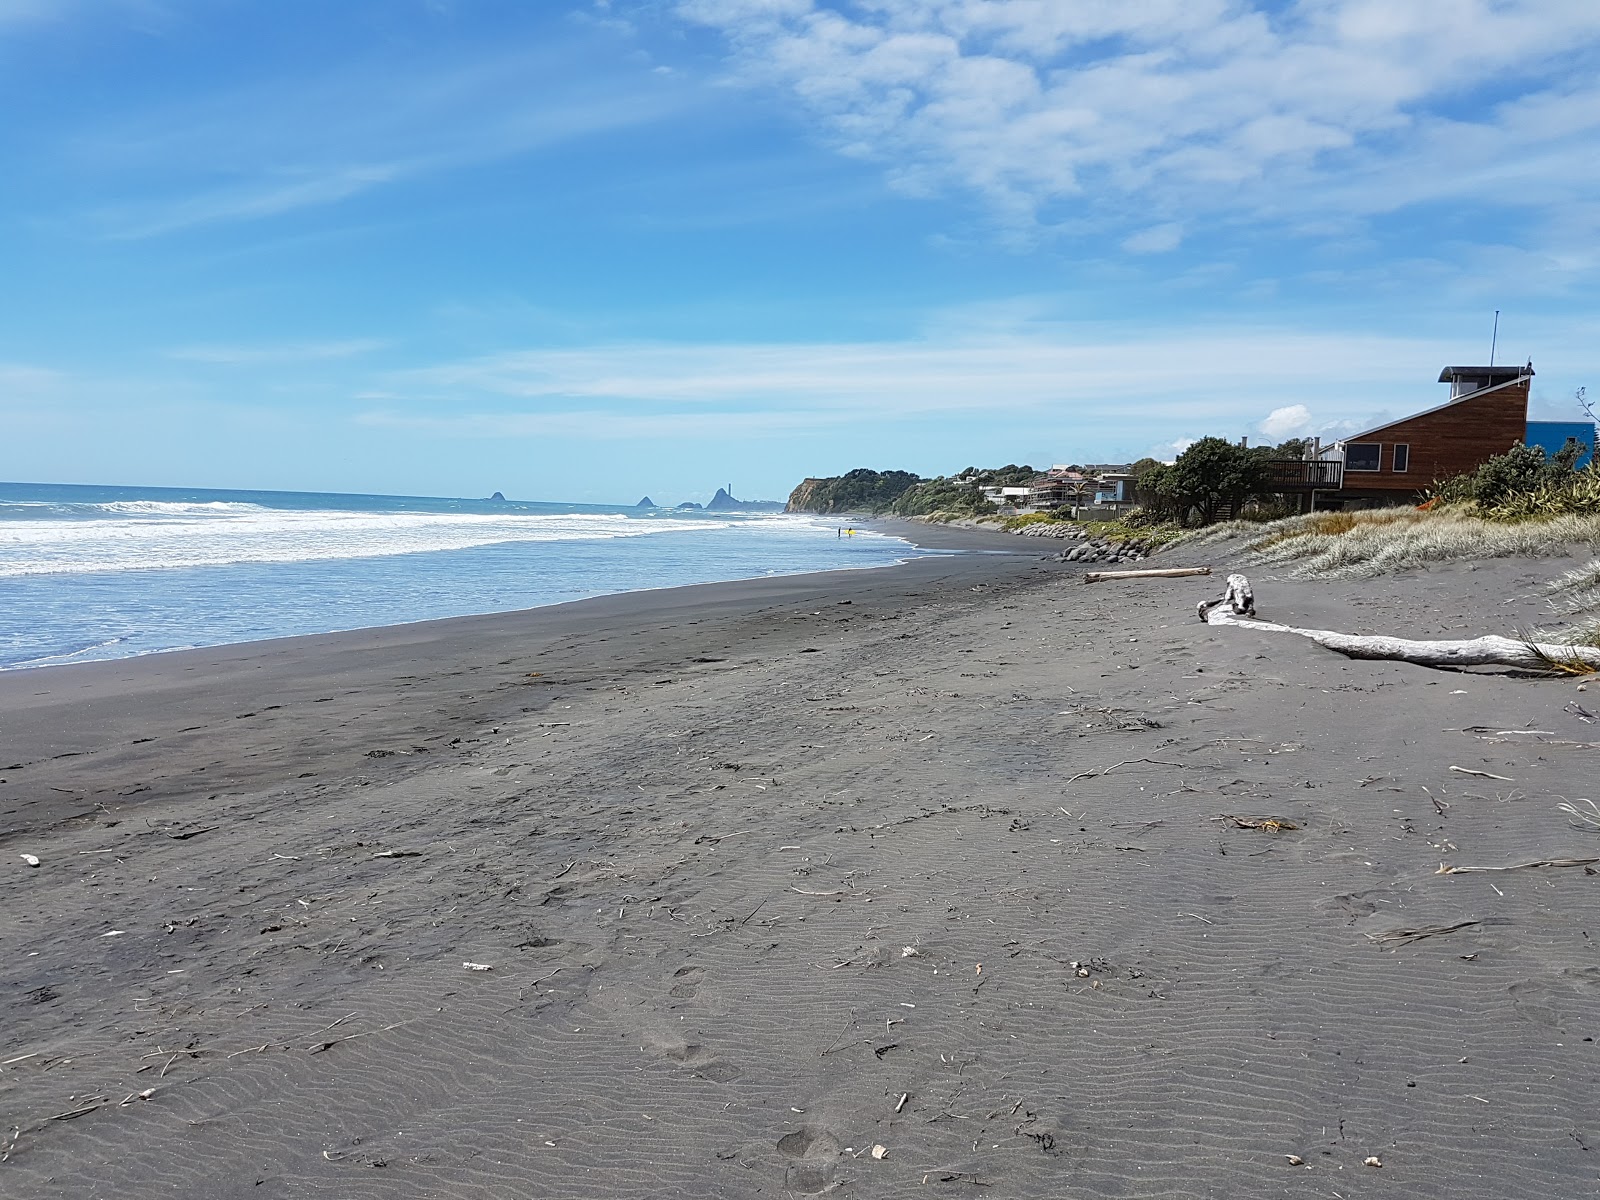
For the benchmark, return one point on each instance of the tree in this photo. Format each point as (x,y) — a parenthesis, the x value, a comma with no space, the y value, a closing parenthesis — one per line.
(1209,474)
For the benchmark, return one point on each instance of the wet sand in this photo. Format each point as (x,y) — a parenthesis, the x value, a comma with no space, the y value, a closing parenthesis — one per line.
(1044,888)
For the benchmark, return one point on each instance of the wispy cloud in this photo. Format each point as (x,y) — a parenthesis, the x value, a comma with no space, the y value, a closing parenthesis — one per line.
(263,150)
(284,354)
(604,426)
(24,380)
(1062,112)
(1102,381)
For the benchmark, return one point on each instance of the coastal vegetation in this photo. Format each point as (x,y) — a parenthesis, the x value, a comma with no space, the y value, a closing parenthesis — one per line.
(1211,478)
(903,494)
(861,490)
(1336,545)
(959,495)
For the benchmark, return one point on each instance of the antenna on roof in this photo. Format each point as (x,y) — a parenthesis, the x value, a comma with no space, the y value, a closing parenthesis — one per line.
(1494,338)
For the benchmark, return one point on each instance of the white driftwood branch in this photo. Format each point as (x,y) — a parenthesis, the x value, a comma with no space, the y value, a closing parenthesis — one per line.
(1154,573)
(1487,651)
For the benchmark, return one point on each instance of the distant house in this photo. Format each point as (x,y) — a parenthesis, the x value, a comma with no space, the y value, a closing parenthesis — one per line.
(1060,487)
(1005,497)
(1397,462)
(1115,490)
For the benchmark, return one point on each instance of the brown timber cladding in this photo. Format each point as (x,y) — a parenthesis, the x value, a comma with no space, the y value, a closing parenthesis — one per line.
(1447,441)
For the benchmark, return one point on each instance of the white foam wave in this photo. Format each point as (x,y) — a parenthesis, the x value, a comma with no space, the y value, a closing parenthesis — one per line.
(179,508)
(247,533)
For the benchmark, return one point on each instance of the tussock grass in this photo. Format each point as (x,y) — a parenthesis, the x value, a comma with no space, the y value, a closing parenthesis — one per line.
(1580,589)
(1360,545)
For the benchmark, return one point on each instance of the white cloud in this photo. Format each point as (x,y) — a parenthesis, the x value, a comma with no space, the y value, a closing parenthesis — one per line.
(1158,239)
(1189,105)
(1290,421)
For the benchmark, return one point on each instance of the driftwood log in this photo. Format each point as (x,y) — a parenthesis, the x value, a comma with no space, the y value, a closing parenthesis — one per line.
(1153,573)
(1488,651)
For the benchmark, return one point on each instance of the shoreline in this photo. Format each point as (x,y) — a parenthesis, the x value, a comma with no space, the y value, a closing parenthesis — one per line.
(53,715)
(711,894)
(933,545)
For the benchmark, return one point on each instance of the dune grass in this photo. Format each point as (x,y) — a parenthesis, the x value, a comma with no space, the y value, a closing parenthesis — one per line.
(1355,545)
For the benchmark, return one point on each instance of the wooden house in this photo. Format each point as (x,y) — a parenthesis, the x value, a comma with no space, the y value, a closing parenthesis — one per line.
(1397,462)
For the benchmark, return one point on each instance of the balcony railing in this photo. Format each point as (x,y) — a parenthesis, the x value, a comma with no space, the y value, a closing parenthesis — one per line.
(1304,475)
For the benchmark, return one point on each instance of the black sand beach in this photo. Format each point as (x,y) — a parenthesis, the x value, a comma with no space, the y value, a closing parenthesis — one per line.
(959,878)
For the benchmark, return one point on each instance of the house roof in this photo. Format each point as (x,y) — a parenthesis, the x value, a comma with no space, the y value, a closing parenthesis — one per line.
(1366,433)
(1492,374)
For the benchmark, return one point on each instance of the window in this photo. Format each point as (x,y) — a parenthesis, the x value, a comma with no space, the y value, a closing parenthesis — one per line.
(1362,456)
(1402,458)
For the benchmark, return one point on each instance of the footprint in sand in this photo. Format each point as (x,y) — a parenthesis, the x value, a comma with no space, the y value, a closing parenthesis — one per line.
(813,1156)
(688,982)
(702,1060)
(1564,1002)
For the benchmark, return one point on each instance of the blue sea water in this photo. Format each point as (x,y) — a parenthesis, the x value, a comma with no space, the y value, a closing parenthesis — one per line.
(108,572)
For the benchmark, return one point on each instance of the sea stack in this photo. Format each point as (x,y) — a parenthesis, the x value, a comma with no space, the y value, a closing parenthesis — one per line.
(646,503)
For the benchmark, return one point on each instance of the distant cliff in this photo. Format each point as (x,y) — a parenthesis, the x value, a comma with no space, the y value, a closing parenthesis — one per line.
(861,490)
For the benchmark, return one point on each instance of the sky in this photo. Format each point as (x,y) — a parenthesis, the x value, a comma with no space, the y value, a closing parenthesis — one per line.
(583,250)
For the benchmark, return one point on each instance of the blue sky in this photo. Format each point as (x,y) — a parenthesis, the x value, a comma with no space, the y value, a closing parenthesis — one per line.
(586,251)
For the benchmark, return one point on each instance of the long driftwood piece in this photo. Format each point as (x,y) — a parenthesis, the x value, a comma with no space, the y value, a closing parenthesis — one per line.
(1488,651)
(1154,573)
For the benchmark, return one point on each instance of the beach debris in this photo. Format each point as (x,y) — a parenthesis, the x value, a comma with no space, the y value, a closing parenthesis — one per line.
(31,859)
(1372,1160)
(910,952)
(319,1047)
(904,1096)
(472,966)
(880,1151)
(1582,818)
(1295,1160)
(114,933)
(191,833)
(1582,713)
(1482,774)
(93,1103)
(1445,869)
(1490,650)
(1127,762)
(1268,824)
(398,854)
(1406,936)
(843,893)
(1153,573)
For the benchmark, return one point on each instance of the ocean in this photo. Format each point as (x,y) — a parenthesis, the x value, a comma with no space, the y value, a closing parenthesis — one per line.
(92,573)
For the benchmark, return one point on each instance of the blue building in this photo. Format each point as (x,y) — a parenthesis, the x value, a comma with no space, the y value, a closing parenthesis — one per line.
(1552,435)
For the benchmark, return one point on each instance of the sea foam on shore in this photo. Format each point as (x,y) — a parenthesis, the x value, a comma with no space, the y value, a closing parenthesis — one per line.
(112,572)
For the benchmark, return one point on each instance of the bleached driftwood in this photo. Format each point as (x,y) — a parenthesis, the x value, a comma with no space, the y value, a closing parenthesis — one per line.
(1488,651)
(1154,573)
(1236,597)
